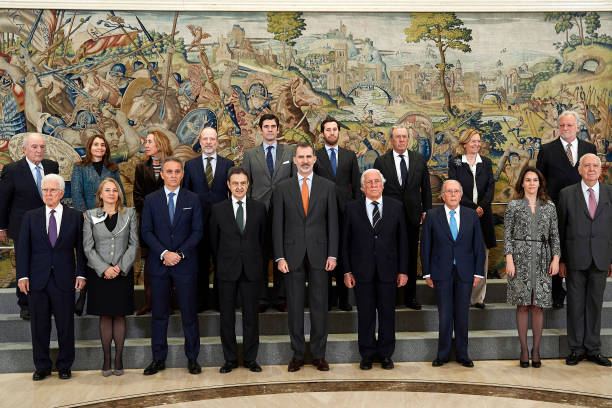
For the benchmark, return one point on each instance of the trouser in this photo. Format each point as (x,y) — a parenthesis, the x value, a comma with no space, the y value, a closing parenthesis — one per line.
(373,297)
(478,293)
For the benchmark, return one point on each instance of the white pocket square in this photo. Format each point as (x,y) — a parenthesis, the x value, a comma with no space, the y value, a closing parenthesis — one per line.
(187,208)
(285,162)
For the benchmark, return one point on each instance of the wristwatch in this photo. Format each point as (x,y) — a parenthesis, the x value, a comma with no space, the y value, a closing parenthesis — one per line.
(180,253)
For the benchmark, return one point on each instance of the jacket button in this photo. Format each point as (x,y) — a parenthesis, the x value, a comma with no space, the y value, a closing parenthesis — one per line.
(375,236)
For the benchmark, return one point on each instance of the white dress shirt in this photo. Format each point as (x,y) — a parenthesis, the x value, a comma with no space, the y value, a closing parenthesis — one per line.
(329,149)
(308,182)
(235,206)
(370,207)
(586,193)
(473,170)
(574,149)
(33,169)
(176,192)
(398,160)
(265,149)
(213,162)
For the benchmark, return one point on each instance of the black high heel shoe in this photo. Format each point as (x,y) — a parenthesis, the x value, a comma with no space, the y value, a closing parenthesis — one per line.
(534,363)
(524,364)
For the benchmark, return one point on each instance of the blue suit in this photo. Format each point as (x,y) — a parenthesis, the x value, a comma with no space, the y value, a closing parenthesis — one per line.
(52,273)
(182,234)
(452,281)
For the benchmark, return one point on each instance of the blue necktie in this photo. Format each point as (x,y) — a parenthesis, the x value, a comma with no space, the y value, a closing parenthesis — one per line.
(171,207)
(39,180)
(270,161)
(453,228)
(332,159)
(375,214)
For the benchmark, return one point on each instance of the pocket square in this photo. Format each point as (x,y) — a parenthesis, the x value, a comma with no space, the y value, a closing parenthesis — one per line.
(285,162)
(187,208)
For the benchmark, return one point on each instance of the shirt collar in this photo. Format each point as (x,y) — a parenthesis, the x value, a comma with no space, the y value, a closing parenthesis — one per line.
(57,209)
(464,159)
(369,202)
(585,187)
(300,177)
(265,145)
(214,156)
(448,210)
(328,148)
(396,154)
(564,143)
(171,191)
(235,200)
(32,165)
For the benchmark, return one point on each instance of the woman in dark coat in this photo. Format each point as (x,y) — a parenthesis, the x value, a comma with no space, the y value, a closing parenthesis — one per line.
(148,180)
(475,174)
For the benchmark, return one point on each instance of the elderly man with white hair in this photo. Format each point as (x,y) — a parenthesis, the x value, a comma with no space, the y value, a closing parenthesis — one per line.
(20,191)
(49,272)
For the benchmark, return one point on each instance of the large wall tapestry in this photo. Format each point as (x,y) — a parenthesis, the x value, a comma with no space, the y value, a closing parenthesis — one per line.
(70,74)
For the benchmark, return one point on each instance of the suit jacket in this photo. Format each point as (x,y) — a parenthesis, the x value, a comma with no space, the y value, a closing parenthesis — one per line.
(36,257)
(183,234)
(261,185)
(416,194)
(375,253)
(485,185)
(234,251)
(195,180)
(84,186)
(585,240)
(144,183)
(104,248)
(554,165)
(347,176)
(438,249)
(19,194)
(296,235)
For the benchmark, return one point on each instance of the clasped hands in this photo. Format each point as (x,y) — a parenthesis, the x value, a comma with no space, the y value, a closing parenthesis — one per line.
(112,272)
(171,258)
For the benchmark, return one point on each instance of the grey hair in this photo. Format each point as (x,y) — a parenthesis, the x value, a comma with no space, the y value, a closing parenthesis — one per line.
(395,127)
(589,155)
(54,177)
(369,171)
(570,112)
(457,181)
(26,138)
(171,159)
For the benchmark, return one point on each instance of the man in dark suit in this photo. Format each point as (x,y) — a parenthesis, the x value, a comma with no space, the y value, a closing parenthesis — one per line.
(585,217)
(305,237)
(49,272)
(268,164)
(407,181)
(20,191)
(452,258)
(172,228)
(237,232)
(207,177)
(375,259)
(558,161)
(340,166)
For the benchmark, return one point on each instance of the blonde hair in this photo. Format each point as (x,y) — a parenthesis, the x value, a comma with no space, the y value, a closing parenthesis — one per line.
(119,203)
(465,138)
(163,144)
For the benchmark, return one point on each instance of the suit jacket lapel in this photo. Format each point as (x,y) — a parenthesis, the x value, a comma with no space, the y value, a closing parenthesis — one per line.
(390,162)
(297,196)
(42,217)
(445,225)
(25,168)
(178,209)
(202,170)
(465,219)
(280,149)
(326,163)
(579,198)
(603,200)
(261,159)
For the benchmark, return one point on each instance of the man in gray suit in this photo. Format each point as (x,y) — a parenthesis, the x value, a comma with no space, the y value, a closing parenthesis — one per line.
(585,216)
(305,232)
(266,165)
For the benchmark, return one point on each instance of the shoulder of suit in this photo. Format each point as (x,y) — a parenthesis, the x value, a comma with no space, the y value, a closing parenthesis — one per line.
(194,160)
(323,180)
(392,202)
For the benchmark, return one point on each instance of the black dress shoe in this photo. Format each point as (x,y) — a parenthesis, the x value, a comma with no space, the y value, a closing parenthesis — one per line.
(413,304)
(557,305)
(24,314)
(295,365)
(386,363)
(154,367)
(366,364)
(228,366)
(41,374)
(252,366)
(193,367)
(574,358)
(320,364)
(466,363)
(479,305)
(599,359)
(438,363)
(64,374)
(262,308)
(281,307)
(345,307)
(524,364)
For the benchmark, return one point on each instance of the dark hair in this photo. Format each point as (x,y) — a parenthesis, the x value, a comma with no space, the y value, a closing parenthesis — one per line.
(520,191)
(112,166)
(328,120)
(171,159)
(236,170)
(302,145)
(268,116)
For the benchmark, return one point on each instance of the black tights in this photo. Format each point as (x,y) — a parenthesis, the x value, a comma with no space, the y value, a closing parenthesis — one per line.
(112,328)
(537,323)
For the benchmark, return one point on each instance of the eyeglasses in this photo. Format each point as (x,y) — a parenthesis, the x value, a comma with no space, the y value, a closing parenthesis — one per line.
(50,190)
(452,192)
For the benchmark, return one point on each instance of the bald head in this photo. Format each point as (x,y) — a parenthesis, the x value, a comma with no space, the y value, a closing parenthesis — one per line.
(34,147)
(451,193)
(590,169)
(208,141)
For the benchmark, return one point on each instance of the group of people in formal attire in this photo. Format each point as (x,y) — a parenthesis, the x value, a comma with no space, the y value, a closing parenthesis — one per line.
(313,216)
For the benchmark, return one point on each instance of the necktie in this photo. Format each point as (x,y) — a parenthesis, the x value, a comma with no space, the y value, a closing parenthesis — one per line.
(453,228)
(39,180)
(592,203)
(171,206)
(375,214)
(568,152)
(403,169)
(240,216)
(209,172)
(52,229)
(270,161)
(332,159)
(305,196)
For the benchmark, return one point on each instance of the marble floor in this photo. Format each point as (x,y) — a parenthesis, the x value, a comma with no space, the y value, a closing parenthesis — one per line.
(490,384)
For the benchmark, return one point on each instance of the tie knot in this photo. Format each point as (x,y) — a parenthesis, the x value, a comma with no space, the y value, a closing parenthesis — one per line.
(452,213)
(269,148)
(590,190)
(401,156)
(569,145)
(171,195)
(239,203)
(375,203)
(52,212)
(209,158)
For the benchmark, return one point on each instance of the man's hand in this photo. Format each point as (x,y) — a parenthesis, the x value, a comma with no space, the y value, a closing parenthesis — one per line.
(563,270)
(24,285)
(3,234)
(330,264)
(349,280)
(171,258)
(476,281)
(429,282)
(79,284)
(283,266)
(402,279)
(479,211)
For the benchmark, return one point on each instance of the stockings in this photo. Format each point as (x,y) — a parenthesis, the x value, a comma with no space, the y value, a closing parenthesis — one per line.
(112,328)
(537,324)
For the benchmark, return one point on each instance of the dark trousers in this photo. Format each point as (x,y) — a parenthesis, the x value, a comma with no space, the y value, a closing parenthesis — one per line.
(277,293)
(409,290)
(43,302)
(453,299)
(373,297)
(185,289)
(585,291)
(295,282)
(22,298)
(339,296)
(203,295)
(558,292)
(249,291)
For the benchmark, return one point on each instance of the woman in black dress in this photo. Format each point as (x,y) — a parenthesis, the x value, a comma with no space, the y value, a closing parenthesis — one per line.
(475,174)
(110,241)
